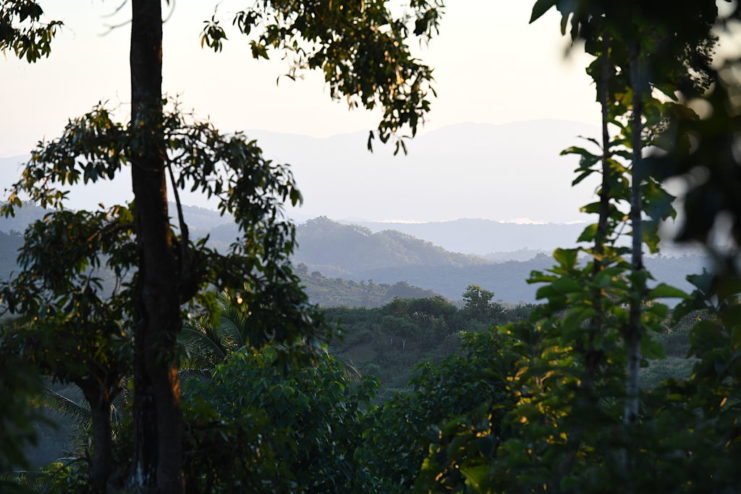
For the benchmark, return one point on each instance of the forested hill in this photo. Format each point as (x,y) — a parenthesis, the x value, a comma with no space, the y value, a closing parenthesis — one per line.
(336,249)
(327,292)
(338,292)
(508,279)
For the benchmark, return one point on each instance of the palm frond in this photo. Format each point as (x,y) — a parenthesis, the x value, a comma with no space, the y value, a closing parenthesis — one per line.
(233,323)
(79,412)
(201,345)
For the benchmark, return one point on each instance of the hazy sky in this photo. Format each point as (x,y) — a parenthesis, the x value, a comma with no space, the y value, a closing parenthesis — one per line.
(490,67)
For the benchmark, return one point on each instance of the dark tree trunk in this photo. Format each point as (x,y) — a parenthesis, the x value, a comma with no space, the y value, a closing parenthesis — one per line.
(157,416)
(101,465)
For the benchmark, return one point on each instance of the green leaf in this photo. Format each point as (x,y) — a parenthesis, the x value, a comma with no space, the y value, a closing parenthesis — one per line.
(589,233)
(565,257)
(662,290)
(540,8)
(475,476)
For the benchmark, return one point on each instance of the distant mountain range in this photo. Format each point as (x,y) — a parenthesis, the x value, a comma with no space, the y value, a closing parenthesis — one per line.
(355,266)
(486,237)
(503,171)
(389,257)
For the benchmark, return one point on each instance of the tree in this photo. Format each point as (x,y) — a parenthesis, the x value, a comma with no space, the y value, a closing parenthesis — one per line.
(576,424)
(362,49)
(73,328)
(477,304)
(418,441)
(94,147)
(267,427)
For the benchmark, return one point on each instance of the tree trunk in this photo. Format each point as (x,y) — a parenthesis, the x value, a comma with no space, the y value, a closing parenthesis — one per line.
(101,465)
(638,288)
(593,357)
(157,416)
(604,202)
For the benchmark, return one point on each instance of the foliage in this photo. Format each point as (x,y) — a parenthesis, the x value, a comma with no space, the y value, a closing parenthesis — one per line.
(254,426)
(406,440)
(23,32)
(75,329)
(338,292)
(20,384)
(389,341)
(575,424)
(478,304)
(361,47)
(55,478)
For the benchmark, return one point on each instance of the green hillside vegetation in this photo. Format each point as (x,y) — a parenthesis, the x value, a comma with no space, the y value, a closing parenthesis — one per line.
(335,249)
(389,342)
(338,292)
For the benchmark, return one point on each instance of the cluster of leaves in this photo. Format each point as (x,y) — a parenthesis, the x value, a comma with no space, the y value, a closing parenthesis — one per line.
(361,47)
(22,30)
(75,328)
(55,478)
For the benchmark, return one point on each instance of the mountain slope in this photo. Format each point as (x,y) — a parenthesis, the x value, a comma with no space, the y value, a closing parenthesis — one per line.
(336,249)
(508,279)
(337,292)
(483,237)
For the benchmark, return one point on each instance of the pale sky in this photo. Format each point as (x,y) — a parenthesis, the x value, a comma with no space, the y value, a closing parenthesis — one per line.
(490,67)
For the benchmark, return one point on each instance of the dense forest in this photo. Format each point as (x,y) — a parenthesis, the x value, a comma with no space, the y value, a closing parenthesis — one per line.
(175,364)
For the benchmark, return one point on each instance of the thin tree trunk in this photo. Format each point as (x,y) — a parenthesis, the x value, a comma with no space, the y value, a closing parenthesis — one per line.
(100,412)
(605,189)
(600,239)
(592,357)
(158,420)
(638,288)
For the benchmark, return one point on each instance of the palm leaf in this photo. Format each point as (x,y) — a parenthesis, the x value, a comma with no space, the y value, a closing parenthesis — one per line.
(79,412)
(201,345)
(233,323)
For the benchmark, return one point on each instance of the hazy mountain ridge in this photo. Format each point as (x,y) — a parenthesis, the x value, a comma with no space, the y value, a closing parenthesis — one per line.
(508,279)
(359,267)
(484,237)
(340,178)
(337,249)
